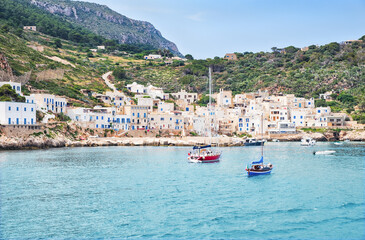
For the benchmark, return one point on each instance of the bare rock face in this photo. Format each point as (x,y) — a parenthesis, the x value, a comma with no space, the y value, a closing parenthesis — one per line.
(356,135)
(4,65)
(103,21)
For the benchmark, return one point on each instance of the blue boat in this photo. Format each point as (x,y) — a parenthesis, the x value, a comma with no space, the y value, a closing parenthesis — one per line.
(257,167)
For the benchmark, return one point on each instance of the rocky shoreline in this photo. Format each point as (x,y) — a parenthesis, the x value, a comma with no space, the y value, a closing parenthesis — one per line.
(41,142)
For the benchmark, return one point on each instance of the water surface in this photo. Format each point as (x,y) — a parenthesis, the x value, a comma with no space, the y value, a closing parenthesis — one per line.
(153,192)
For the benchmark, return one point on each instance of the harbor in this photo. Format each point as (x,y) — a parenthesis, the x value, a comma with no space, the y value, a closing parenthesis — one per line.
(154,192)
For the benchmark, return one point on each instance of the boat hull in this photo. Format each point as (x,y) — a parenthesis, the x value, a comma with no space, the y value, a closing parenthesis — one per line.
(254,144)
(257,173)
(205,159)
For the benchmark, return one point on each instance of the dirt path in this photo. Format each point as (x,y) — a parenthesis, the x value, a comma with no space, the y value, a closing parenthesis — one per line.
(107,82)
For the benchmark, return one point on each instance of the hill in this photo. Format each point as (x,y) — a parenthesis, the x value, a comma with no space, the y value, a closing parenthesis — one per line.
(105,22)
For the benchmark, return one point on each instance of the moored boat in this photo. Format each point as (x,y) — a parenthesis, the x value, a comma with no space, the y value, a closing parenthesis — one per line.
(259,168)
(326,152)
(253,142)
(204,154)
(308,141)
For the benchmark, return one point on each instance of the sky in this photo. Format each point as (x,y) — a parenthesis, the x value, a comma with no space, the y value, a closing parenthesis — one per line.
(209,28)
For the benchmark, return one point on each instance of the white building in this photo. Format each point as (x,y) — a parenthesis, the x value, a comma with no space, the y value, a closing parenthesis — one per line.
(173,120)
(224,98)
(17,113)
(32,28)
(165,107)
(156,92)
(136,88)
(104,118)
(116,98)
(48,102)
(14,85)
(283,128)
(152,56)
(185,96)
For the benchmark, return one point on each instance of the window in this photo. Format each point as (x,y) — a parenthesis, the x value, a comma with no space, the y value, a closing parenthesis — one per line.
(17,108)
(102,118)
(17,121)
(97,126)
(301,117)
(144,115)
(133,114)
(9,121)
(25,109)
(137,115)
(9,108)
(295,117)
(25,121)
(97,118)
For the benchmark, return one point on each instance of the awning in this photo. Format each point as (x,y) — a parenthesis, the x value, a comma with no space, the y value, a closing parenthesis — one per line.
(201,147)
(258,162)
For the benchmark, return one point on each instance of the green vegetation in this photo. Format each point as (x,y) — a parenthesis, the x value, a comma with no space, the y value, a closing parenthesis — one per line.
(204,100)
(314,130)
(7,94)
(119,73)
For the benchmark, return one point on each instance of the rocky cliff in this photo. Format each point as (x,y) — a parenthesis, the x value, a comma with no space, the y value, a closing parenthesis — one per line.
(103,21)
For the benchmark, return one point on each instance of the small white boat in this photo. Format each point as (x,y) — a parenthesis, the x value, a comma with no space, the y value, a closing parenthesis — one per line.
(347,140)
(327,152)
(276,140)
(338,143)
(307,141)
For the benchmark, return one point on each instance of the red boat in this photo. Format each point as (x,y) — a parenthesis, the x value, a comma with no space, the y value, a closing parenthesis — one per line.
(204,154)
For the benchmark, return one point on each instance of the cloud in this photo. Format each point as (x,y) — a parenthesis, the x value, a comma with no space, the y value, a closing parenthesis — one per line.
(197,17)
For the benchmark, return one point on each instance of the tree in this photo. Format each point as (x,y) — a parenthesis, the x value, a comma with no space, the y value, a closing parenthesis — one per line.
(5,28)
(275,49)
(320,103)
(119,73)
(291,49)
(8,94)
(58,43)
(189,57)
(90,55)
(346,98)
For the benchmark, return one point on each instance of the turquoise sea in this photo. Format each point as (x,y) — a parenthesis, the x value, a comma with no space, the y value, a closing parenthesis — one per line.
(153,192)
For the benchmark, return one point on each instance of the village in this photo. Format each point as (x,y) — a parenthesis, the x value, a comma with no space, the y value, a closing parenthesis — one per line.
(151,109)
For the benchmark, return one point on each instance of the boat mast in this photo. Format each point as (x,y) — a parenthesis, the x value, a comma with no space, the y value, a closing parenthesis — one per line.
(210,105)
(262,135)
